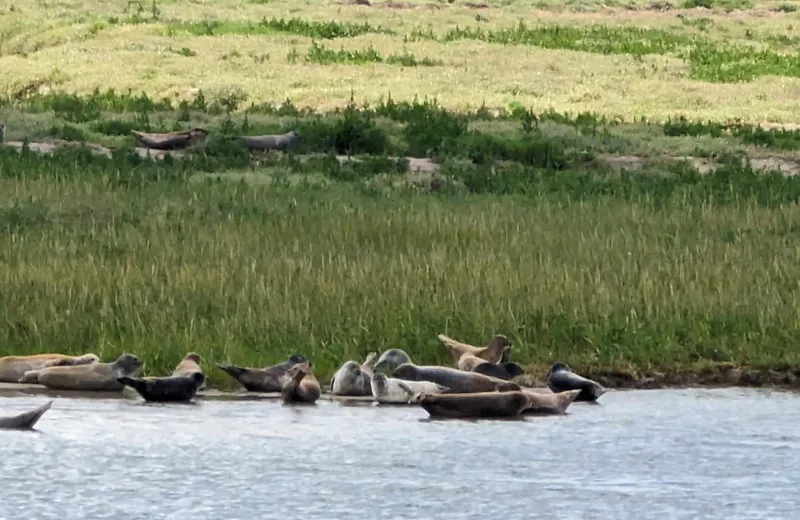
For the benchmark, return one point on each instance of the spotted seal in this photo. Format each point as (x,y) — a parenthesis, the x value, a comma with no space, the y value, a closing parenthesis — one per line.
(268,379)
(300,385)
(498,350)
(389,390)
(474,405)
(24,421)
(14,368)
(561,378)
(170,389)
(91,377)
(354,379)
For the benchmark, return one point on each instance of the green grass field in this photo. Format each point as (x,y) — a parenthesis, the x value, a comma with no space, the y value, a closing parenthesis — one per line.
(610,187)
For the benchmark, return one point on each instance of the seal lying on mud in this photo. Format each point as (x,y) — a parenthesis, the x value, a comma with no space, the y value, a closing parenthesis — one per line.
(498,350)
(189,365)
(262,143)
(506,371)
(268,379)
(24,421)
(474,405)
(171,140)
(92,377)
(13,368)
(390,390)
(300,386)
(352,379)
(561,378)
(549,404)
(171,389)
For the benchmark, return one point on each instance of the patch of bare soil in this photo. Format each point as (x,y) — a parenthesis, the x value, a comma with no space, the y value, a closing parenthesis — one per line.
(704,165)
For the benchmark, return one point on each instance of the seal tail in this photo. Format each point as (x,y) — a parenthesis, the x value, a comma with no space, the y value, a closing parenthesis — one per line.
(25,421)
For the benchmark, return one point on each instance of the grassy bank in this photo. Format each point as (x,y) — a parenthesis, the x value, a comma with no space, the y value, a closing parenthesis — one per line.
(659,269)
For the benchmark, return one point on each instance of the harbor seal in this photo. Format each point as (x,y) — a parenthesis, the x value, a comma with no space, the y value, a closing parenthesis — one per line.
(498,350)
(561,378)
(391,359)
(474,405)
(392,391)
(91,377)
(506,371)
(24,421)
(458,381)
(171,389)
(549,404)
(262,143)
(13,368)
(171,140)
(266,379)
(354,379)
(189,365)
(300,385)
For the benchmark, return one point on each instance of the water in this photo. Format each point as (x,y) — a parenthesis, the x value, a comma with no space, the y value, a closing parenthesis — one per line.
(677,454)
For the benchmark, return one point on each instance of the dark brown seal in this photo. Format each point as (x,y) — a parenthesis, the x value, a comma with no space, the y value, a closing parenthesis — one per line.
(267,379)
(300,385)
(171,389)
(171,140)
(474,405)
(24,421)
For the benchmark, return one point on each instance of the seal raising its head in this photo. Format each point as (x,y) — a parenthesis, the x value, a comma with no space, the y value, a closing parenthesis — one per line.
(561,378)
(391,359)
(352,378)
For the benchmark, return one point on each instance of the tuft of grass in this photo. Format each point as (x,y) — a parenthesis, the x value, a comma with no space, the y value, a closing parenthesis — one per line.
(296,26)
(320,54)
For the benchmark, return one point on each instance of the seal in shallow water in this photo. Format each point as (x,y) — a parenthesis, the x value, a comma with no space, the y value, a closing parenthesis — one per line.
(390,390)
(268,379)
(300,385)
(171,389)
(561,378)
(498,350)
(189,365)
(549,404)
(354,379)
(24,421)
(92,377)
(474,405)
(262,143)
(506,371)
(14,368)
(171,140)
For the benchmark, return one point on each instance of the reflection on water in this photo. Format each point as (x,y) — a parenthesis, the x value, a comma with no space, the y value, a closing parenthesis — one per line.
(666,454)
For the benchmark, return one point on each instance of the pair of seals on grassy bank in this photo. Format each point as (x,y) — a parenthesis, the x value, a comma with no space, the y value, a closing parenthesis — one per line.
(561,378)
(171,140)
(457,381)
(268,379)
(23,369)
(354,379)
(181,386)
(24,421)
(90,377)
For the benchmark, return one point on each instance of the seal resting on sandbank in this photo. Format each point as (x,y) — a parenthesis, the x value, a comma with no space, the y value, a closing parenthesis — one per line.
(170,389)
(263,143)
(24,421)
(506,371)
(300,385)
(498,350)
(171,140)
(268,379)
(390,390)
(354,379)
(13,368)
(561,378)
(189,365)
(549,404)
(92,377)
(474,405)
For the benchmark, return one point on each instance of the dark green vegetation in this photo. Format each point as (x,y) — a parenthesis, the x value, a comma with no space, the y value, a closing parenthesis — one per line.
(523,230)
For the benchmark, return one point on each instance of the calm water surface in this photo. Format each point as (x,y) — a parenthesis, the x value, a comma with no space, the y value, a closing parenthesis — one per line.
(665,454)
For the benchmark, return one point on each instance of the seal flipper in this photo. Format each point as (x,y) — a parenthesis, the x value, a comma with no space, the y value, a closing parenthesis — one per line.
(513,369)
(25,421)
(140,385)
(407,389)
(232,370)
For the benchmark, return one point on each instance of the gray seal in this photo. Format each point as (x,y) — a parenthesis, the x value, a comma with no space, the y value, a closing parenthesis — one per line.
(171,140)
(268,379)
(561,378)
(171,389)
(24,421)
(277,142)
